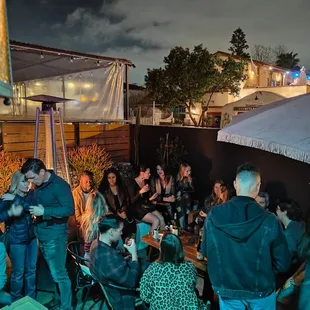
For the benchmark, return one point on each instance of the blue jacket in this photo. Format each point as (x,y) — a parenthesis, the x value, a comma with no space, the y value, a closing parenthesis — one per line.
(245,247)
(20,228)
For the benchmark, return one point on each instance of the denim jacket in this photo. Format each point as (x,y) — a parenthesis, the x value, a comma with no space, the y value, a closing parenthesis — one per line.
(245,247)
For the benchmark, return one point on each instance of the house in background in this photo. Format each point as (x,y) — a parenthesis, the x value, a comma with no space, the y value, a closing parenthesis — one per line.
(265,84)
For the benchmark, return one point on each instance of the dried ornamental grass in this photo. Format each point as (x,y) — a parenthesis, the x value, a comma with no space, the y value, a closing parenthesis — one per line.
(93,158)
(9,163)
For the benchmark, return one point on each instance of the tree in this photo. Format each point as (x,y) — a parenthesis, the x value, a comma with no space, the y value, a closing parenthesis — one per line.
(278,50)
(262,53)
(287,60)
(239,44)
(189,75)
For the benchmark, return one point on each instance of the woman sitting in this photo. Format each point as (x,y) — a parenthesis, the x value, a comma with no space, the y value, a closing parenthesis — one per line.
(164,186)
(23,250)
(170,283)
(210,202)
(117,198)
(304,253)
(96,207)
(143,204)
(185,189)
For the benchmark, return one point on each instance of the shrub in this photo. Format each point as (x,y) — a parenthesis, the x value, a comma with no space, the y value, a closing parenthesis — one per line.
(93,158)
(9,163)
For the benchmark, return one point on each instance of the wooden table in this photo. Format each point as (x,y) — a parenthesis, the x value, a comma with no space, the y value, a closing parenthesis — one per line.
(190,250)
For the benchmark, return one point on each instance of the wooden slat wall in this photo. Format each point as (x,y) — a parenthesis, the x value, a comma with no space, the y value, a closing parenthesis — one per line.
(113,137)
(19,138)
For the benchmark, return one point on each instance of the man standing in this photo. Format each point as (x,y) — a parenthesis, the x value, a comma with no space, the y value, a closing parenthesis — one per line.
(245,247)
(54,206)
(81,194)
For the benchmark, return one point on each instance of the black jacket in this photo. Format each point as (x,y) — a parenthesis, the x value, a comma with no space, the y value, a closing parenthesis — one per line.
(20,228)
(245,247)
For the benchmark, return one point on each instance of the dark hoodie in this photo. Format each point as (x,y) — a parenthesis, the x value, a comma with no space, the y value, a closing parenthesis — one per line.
(245,247)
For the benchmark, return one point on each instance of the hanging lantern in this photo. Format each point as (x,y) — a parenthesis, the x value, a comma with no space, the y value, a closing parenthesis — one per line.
(6,82)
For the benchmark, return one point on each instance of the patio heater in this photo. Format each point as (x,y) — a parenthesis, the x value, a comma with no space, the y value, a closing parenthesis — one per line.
(50,143)
(6,81)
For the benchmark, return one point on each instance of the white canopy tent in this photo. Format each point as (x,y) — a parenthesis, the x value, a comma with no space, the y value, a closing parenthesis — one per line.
(282,127)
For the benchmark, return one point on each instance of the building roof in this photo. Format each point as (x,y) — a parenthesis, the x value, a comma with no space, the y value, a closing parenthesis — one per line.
(30,61)
(256,62)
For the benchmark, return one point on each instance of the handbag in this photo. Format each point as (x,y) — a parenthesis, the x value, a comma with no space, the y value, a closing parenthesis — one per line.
(5,238)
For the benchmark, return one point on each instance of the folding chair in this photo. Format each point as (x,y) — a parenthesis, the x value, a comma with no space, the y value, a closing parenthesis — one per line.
(84,279)
(138,301)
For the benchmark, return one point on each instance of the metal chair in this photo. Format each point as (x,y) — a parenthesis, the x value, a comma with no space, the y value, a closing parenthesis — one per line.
(84,279)
(138,301)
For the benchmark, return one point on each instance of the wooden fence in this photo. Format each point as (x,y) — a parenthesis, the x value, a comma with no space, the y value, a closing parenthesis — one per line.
(19,138)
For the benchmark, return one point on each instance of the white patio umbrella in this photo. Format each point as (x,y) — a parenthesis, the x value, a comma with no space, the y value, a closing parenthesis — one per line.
(282,127)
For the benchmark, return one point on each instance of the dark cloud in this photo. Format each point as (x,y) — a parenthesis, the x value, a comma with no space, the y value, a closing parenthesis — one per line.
(145,30)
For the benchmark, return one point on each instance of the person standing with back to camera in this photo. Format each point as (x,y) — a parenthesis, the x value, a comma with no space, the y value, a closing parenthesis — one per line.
(54,205)
(245,247)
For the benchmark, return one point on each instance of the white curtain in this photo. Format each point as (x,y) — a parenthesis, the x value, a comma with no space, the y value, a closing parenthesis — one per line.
(96,95)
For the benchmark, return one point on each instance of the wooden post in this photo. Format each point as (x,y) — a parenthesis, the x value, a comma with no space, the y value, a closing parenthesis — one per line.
(76,134)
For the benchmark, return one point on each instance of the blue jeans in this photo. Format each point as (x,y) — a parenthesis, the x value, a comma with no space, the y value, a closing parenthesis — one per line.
(304,296)
(5,299)
(55,252)
(24,261)
(267,303)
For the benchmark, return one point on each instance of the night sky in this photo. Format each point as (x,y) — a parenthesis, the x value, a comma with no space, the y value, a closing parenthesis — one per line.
(145,30)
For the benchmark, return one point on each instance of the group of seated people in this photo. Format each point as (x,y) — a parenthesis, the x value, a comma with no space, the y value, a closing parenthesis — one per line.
(152,200)
(156,201)
(107,220)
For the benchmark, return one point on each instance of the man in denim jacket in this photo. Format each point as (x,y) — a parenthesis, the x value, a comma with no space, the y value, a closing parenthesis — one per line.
(245,247)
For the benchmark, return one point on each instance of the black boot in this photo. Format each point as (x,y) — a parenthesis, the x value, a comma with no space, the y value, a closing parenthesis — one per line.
(52,303)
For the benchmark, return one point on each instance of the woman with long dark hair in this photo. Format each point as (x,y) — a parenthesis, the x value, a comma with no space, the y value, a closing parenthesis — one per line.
(117,197)
(170,283)
(163,185)
(143,203)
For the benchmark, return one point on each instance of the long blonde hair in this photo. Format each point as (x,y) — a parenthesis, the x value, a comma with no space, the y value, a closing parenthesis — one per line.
(182,168)
(15,179)
(96,206)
